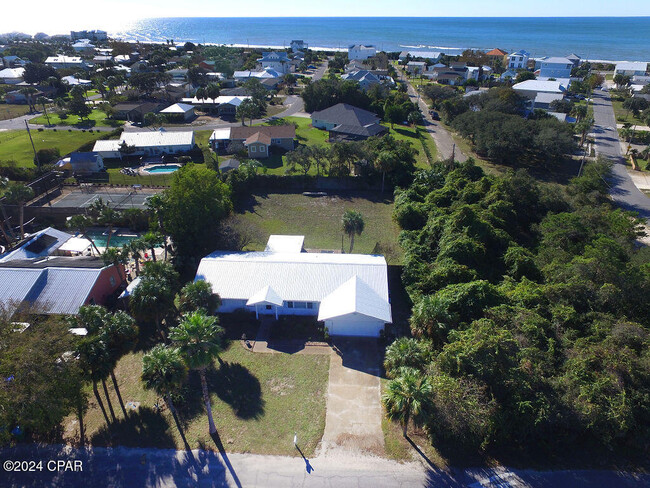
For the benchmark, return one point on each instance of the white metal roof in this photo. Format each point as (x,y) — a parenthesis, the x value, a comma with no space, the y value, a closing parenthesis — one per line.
(12,73)
(110,145)
(293,276)
(23,253)
(540,86)
(158,138)
(288,244)
(631,66)
(220,134)
(76,244)
(177,108)
(265,295)
(63,59)
(354,297)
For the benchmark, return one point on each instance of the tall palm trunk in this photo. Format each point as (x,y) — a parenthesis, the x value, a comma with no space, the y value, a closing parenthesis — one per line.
(117,392)
(4,233)
(206,400)
(351,242)
(46,115)
(85,236)
(5,219)
(99,402)
(108,401)
(153,254)
(110,234)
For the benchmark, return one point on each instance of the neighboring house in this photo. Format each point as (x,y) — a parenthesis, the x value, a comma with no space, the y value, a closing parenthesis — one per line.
(73,81)
(518,60)
(555,67)
(347,122)
(364,77)
(60,62)
(298,45)
(416,67)
(16,97)
(82,162)
(544,100)
(224,105)
(228,165)
(134,111)
(531,88)
(178,74)
(508,74)
(628,68)
(208,65)
(575,59)
(472,73)
(12,76)
(41,244)
(92,35)
(497,56)
(57,285)
(257,140)
(14,62)
(83,46)
(360,51)
(433,56)
(348,292)
(102,59)
(278,61)
(264,74)
(147,143)
(179,111)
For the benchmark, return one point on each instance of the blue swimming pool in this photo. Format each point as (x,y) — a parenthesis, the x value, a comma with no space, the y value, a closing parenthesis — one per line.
(167,168)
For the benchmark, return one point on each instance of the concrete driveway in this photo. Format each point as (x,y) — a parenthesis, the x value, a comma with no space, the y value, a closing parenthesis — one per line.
(353,419)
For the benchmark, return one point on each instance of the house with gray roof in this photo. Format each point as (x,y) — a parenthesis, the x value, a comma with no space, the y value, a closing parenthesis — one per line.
(347,122)
(365,78)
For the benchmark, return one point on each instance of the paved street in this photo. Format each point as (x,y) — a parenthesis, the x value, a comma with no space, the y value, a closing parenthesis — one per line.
(622,190)
(442,137)
(165,468)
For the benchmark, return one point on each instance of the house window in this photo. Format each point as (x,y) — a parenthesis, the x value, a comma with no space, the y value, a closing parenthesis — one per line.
(253,149)
(269,307)
(289,304)
(310,305)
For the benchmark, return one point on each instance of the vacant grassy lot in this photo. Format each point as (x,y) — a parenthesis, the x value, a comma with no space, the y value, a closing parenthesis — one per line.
(308,136)
(8,111)
(623,116)
(96,118)
(319,220)
(15,145)
(258,402)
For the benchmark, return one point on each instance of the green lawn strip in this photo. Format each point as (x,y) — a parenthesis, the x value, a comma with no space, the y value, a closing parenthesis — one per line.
(623,116)
(96,119)
(319,220)
(10,111)
(258,402)
(15,145)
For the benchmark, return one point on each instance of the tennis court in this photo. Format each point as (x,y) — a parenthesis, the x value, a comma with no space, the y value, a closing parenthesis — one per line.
(120,198)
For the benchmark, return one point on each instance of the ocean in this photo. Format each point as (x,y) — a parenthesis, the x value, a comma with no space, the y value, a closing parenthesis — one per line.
(596,38)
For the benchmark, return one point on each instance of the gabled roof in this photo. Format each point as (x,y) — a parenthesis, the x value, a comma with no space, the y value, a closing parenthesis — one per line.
(265,295)
(285,131)
(274,56)
(360,130)
(556,60)
(12,73)
(345,114)
(294,276)
(177,108)
(496,52)
(540,86)
(258,137)
(42,243)
(354,297)
(361,75)
(632,66)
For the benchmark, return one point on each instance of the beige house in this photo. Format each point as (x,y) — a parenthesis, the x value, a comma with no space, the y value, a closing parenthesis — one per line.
(257,141)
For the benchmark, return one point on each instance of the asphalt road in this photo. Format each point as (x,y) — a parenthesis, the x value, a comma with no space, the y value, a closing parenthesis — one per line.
(166,468)
(622,189)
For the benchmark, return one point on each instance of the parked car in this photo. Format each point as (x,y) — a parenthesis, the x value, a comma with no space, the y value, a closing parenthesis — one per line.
(434,115)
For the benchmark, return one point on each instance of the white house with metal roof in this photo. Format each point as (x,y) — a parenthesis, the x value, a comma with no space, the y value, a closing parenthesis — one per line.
(147,143)
(631,68)
(348,292)
(361,51)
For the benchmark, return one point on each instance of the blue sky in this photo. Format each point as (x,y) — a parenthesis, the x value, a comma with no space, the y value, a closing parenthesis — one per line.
(59,16)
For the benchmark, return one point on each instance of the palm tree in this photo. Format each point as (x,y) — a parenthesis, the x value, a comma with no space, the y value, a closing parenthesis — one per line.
(353,224)
(81,224)
(198,337)
(152,299)
(156,205)
(96,362)
(386,161)
(19,194)
(198,296)
(119,333)
(406,352)
(163,370)
(153,240)
(108,217)
(136,247)
(29,96)
(43,101)
(407,397)
(116,257)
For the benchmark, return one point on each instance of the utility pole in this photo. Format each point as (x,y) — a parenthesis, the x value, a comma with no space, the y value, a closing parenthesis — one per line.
(38,164)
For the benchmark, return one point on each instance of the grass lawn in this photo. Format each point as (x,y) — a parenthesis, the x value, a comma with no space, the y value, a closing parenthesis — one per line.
(10,111)
(319,220)
(622,115)
(15,145)
(258,402)
(96,119)
(308,136)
